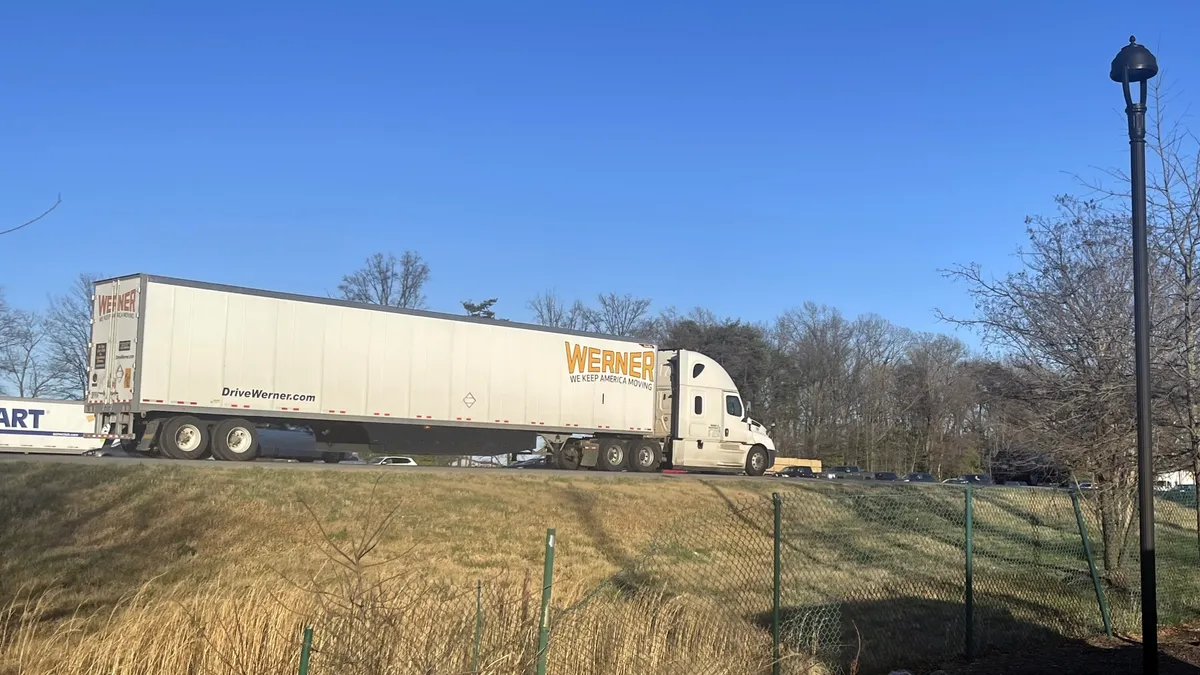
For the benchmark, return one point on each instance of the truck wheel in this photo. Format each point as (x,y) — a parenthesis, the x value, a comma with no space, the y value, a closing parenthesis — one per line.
(184,437)
(235,441)
(569,457)
(756,461)
(612,454)
(645,456)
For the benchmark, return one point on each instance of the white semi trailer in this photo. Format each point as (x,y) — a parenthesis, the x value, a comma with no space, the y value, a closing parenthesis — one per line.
(185,369)
(36,425)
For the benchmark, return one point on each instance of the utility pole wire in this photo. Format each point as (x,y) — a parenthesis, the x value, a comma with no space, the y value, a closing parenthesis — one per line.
(30,222)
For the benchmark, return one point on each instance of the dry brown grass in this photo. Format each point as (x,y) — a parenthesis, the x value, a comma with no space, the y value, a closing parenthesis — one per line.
(97,534)
(174,569)
(218,629)
(161,570)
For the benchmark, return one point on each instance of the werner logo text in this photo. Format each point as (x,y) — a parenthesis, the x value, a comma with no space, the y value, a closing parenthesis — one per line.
(583,359)
(125,302)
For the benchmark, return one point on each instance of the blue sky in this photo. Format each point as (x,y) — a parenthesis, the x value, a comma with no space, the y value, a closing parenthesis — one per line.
(745,157)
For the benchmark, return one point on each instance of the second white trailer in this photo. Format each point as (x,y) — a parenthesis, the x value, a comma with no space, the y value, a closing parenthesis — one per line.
(33,425)
(187,368)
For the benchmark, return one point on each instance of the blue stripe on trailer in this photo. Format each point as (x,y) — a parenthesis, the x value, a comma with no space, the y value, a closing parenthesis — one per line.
(38,432)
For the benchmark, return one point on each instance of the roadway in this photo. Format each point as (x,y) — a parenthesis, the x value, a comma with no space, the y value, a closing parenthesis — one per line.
(292,465)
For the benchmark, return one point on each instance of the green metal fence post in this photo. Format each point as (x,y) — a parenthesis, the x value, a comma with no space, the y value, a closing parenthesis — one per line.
(305,649)
(778,504)
(478,624)
(1091,561)
(969,599)
(547,585)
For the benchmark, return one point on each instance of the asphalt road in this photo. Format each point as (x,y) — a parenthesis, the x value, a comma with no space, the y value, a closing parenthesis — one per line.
(284,465)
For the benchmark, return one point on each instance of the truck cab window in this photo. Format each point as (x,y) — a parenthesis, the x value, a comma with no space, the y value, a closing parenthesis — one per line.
(733,405)
(699,405)
(697,369)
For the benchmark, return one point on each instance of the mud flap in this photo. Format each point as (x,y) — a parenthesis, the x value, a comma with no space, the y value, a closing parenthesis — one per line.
(147,440)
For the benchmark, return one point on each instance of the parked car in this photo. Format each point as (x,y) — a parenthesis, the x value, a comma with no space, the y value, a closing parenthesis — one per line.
(844,472)
(395,461)
(919,477)
(977,479)
(796,472)
(954,481)
(542,462)
(1181,494)
(884,475)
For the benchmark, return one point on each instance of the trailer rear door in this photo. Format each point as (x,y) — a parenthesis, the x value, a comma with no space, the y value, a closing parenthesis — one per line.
(116,305)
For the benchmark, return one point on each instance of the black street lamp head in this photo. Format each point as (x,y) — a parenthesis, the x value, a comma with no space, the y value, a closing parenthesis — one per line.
(1134,63)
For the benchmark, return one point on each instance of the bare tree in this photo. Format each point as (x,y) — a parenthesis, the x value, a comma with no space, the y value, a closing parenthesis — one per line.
(620,315)
(932,378)
(551,310)
(68,332)
(1173,210)
(5,323)
(24,365)
(819,340)
(879,350)
(1065,320)
(386,280)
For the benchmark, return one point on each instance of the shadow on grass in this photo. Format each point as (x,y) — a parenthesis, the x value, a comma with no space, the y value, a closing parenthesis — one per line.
(918,634)
(50,524)
(1080,657)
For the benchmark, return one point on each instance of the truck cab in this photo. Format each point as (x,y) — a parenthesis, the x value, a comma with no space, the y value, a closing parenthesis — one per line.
(703,418)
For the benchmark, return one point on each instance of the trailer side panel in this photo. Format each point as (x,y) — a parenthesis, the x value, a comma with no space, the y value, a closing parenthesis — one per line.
(262,354)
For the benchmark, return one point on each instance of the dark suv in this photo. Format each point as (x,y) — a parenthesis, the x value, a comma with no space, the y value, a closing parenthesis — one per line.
(797,472)
(844,472)
(918,477)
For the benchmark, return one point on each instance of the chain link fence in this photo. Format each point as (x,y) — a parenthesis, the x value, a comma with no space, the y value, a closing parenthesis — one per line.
(840,577)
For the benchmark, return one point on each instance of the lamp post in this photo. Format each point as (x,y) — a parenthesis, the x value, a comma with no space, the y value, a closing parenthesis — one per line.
(1135,64)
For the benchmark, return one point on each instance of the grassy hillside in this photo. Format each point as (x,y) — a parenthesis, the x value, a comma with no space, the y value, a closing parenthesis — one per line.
(165,568)
(100,532)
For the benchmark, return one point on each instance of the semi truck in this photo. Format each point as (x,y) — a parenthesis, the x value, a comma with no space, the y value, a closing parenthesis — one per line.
(189,369)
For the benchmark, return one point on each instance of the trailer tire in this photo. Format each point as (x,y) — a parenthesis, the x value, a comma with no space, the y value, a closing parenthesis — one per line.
(184,437)
(756,461)
(568,457)
(613,452)
(645,456)
(235,440)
